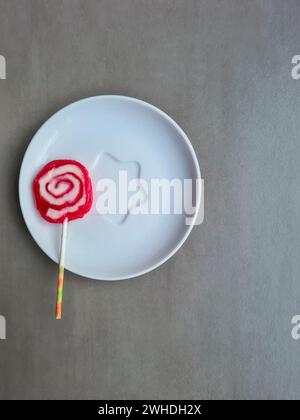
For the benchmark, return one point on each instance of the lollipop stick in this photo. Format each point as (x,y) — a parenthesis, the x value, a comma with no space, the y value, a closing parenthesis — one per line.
(60,283)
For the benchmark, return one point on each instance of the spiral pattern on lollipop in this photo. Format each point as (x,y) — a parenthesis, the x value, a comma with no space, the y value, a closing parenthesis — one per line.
(63,189)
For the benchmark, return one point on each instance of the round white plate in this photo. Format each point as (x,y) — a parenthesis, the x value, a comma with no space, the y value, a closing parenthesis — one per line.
(108,134)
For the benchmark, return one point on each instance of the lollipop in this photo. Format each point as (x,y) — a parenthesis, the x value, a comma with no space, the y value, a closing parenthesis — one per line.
(62,192)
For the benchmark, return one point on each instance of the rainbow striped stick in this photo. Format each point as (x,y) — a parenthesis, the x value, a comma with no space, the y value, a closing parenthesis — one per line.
(60,283)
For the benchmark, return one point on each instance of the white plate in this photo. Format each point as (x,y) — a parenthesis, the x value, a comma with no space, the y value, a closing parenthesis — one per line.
(108,133)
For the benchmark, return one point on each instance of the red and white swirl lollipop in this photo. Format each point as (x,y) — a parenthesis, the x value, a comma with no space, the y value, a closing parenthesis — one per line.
(63,189)
(62,192)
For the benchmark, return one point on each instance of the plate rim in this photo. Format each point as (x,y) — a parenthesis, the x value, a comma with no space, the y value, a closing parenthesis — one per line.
(185,139)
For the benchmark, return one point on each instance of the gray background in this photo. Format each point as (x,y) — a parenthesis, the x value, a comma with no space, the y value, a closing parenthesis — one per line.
(215,320)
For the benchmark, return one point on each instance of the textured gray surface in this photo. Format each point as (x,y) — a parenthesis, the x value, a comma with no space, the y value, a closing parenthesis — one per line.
(213,322)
